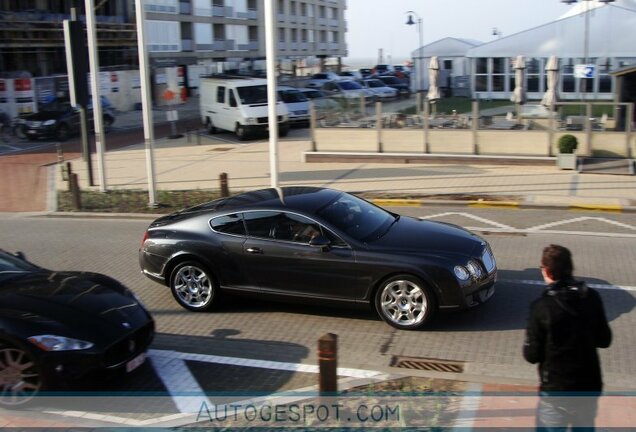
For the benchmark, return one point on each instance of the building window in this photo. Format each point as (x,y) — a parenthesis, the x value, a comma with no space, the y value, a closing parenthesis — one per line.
(219,32)
(292,8)
(498,74)
(533,70)
(294,35)
(604,79)
(281,35)
(252,5)
(281,7)
(448,65)
(567,66)
(481,74)
(252,33)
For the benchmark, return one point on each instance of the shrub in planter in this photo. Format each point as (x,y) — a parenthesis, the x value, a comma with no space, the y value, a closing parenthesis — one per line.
(567,144)
(566,159)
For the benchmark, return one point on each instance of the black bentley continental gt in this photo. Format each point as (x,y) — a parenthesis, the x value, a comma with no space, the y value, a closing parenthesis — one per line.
(315,244)
(59,329)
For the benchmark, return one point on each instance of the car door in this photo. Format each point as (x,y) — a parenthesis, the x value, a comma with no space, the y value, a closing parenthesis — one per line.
(280,260)
(224,117)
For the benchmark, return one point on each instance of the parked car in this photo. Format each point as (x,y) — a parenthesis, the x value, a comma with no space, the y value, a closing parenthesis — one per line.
(365,72)
(403,69)
(381,90)
(382,69)
(349,90)
(312,93)
(58,329)
(318,245)
(297,105)
(404,91)
(60,120)
(351,75)
(318,79)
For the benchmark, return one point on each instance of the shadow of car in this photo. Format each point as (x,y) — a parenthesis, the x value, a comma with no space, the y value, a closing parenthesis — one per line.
(60,329)
(318,245)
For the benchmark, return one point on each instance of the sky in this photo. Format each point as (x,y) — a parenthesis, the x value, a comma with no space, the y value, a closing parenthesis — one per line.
(375,24)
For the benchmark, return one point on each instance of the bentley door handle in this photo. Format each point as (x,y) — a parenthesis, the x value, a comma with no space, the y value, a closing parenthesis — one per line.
(254,250)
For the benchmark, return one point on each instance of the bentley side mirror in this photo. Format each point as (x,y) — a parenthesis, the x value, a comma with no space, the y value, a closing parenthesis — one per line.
(320,241)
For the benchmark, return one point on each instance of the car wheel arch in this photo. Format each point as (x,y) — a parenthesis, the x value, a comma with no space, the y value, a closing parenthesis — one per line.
(175,260)
(428,287)
(426,280)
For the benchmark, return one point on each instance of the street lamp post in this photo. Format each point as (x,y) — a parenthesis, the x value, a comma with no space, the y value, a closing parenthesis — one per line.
(419,70)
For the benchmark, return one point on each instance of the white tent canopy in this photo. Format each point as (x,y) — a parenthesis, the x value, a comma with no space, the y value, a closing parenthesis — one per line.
(612,31)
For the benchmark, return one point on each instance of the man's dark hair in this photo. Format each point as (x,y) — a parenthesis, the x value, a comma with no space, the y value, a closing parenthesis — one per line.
(558,260)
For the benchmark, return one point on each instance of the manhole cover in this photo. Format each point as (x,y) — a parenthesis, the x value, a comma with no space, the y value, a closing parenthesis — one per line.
(420,363)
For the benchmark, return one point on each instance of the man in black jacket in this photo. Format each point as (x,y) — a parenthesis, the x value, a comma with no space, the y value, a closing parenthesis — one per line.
(566,326)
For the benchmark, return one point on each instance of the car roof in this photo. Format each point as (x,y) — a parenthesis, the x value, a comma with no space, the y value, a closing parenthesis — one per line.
(302,198)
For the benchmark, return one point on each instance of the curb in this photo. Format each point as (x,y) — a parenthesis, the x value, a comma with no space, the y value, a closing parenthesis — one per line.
(396,202)
(614,208)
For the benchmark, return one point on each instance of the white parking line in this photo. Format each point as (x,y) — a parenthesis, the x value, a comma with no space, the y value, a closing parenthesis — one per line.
(580,219)
(470,216)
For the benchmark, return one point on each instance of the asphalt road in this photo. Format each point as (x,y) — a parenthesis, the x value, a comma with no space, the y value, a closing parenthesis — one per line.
(488,339)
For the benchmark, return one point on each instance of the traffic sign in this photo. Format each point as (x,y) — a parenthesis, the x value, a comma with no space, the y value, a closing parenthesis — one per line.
(584,71)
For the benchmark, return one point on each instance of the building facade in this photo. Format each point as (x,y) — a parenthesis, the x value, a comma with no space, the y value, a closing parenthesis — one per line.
(221,34)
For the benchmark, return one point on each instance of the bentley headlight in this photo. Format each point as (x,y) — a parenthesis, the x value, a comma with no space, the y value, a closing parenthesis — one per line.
(59,343)
(474,269)
(461,273)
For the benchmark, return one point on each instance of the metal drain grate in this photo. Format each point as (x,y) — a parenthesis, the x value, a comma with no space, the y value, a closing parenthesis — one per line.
(420,363)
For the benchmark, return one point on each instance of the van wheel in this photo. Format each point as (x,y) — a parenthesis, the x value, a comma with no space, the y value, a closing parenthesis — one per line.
(283,129)
(210,126)
(240,132)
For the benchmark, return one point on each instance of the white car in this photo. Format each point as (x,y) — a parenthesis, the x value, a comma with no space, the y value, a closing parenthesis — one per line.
(381,90)
(297,104)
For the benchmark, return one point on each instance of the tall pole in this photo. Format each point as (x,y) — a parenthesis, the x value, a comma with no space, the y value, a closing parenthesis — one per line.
(419,60)
(270,55)
(421,68)
(89,6)
(149,132)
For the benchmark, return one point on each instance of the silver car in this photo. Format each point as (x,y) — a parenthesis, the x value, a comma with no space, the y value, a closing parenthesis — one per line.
(349,90)
(381,90)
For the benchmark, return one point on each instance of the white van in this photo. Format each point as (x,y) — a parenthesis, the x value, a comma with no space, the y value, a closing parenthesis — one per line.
(239,105)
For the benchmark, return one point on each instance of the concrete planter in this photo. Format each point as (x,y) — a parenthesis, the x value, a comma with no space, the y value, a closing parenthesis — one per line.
(566,161)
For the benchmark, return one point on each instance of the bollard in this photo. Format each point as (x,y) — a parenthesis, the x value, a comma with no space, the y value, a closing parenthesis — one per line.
(75,192)
(328,363)
(66,175)
(225,191)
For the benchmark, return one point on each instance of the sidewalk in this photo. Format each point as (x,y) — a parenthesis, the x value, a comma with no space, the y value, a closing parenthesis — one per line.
(180,165)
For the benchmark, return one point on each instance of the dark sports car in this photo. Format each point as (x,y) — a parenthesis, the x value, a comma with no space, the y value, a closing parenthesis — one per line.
(316,244)
(58,329)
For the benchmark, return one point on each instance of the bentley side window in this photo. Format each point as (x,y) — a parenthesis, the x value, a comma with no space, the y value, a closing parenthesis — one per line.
(229,224)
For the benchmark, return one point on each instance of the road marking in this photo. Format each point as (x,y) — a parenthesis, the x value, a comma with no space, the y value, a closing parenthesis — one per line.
(470,216)
(591,285)
(556,232)
(580,219)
